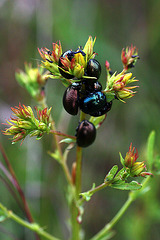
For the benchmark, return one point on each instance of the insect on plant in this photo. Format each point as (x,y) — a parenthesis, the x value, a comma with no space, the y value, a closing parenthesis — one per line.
(84,97)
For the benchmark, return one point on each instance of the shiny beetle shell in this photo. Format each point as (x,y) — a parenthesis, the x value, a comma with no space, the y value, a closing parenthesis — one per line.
(70,99)
(93,103)
(93,69)
(104,110)
(86,134)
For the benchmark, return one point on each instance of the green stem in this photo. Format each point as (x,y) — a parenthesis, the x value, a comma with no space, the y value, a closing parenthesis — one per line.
(58,147)
(32,226)
(78,171)
(116,218)
(94,190)
(74,206)
(133,195)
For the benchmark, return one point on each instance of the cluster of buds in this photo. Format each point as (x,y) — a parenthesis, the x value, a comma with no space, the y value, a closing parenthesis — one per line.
(25,123)
(33,80)
(70,63)
(117,85)
(129,57)
(51,59)
(135,168)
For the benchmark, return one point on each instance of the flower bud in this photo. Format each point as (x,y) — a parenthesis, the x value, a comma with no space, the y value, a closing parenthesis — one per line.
(137,168)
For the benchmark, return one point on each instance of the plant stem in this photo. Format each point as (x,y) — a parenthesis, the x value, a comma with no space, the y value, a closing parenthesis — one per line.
(58,147)
(32,226)
(94,190)
(132,196)
(62,134)
(18,187)
(74,208)
(44,105)
(116,218)
(78,171)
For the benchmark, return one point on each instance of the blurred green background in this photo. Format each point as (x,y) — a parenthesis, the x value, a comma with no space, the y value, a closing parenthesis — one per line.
(26,25)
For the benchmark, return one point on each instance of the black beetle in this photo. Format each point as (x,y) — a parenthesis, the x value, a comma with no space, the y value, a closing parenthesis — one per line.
(86,133)
(93,69)
(93,103)
(103,110)
(70,98)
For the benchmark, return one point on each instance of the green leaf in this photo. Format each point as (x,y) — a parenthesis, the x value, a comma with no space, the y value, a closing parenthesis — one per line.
(150,149)
(55,155)
(97,121)
(122,160)
(80,214)
(3,216)
(157,165)
(120,173)
(65,82)
(111,173)
(110,96)
(122,185)
(68,140)
(87,195)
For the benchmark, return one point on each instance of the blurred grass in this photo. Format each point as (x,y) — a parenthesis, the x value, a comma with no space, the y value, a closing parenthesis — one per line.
(26,25)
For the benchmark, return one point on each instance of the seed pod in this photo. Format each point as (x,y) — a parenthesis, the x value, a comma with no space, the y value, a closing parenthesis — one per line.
(93,103)
(86,133)
(69,54)
(70,98)
(93,69)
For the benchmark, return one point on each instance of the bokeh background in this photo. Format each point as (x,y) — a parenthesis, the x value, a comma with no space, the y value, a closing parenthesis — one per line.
(28,24)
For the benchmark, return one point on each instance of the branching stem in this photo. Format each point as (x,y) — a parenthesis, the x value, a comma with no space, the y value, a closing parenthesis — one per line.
(32,226)
(133,195)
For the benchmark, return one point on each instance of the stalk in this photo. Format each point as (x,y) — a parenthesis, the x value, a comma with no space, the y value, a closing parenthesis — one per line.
(74,207)
(58,147)
(133,195)
(32,226)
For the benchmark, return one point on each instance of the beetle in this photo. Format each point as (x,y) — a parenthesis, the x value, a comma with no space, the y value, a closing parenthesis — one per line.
(71,97)
(93,103)
(93,69)
(85,133)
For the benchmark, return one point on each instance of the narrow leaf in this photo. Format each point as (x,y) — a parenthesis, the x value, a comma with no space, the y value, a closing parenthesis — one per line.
(150,149)
(55,155)
(120,173)
(111,173)
(122,185)
(3,216)
(68,140)
(87,195)
(122,160)
(97,121)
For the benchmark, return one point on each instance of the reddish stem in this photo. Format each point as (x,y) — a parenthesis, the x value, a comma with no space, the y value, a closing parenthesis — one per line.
(19,189)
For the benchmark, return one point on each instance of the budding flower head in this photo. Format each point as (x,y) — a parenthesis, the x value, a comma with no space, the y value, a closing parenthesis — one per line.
(69,64)
(88,48)
(25,123)
(117,84)
(74,63)
(131,156)
(136,168)
(33,79)
(129,57)
(51,59)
